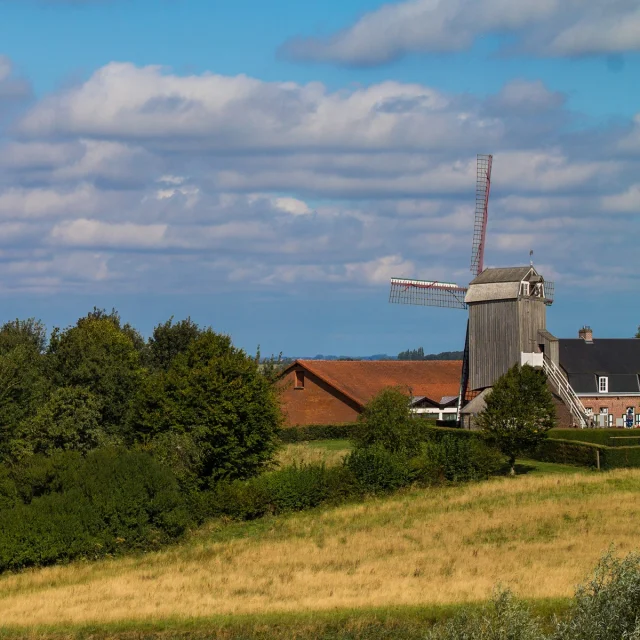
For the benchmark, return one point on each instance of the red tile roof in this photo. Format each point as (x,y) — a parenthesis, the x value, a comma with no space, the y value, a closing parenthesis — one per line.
(361,380)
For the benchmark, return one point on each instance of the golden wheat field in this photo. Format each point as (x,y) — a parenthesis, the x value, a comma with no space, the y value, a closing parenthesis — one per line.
(539,534)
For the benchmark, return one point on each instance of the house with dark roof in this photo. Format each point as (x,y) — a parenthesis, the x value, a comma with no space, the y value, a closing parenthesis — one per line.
(335,391)
(605,375)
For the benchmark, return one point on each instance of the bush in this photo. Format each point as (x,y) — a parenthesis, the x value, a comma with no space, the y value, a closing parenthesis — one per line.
(112,501)
(504,618)
(596,436)
(292,489)
(454,459)
(583,454)
(386,422)
(378,470)
(307,433)
(607,606)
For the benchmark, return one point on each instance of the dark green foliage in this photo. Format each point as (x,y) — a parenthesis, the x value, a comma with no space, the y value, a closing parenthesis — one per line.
(312,432)
(31,333)
(519,412)
(111,501)
(215,394)
(23,388)
(169,340)
(292,489)
(386,422)
(620,457)
(378,470)
(453,459)
(68,420)
(418,354)
(568,452)
(607,437)
(98,356)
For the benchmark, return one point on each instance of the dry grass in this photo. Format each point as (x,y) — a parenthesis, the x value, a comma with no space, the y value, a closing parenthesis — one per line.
(539,534)
(308,453)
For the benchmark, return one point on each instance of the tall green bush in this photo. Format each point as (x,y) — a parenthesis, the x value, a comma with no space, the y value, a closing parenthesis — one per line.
(386,422)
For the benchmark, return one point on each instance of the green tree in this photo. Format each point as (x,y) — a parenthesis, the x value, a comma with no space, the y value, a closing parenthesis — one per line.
(23,388)
(519,412)
(30,332)
(169,340)
(386,422)
(98,356)
(214,394)
(69,420)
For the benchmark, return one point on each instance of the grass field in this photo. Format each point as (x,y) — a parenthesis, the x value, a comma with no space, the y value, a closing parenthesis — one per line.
(539,533)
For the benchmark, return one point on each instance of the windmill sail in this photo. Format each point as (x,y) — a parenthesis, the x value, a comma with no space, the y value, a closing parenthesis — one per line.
(428,293)
(483,188)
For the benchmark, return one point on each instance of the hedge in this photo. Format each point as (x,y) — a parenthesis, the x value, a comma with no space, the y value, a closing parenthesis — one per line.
(317,432)
(344,431)
(604,437)
(586,454)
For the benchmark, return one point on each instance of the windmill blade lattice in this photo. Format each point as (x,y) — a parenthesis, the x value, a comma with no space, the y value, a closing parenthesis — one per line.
(427,293)
(483,189)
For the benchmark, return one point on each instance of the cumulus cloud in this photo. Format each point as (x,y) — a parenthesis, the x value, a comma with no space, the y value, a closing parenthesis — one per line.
(141,179)
(544,27)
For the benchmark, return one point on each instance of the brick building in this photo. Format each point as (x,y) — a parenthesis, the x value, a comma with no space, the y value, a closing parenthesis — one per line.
(605,375)
(335,391)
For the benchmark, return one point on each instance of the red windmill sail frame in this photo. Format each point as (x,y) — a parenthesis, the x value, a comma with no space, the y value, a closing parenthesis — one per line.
(483,190)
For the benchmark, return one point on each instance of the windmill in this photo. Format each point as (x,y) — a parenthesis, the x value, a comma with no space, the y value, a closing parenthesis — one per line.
(507,307)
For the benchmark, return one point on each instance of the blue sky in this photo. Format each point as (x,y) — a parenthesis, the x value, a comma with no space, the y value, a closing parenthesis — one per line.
(266,167)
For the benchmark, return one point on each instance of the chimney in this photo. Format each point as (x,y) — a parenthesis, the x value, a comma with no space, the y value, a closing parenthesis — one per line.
(586,334)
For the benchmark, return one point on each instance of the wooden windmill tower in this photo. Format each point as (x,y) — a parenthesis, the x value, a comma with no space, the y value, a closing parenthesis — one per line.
(507,307)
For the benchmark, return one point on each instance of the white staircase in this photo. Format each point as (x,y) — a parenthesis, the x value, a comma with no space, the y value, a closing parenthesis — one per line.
(568,395)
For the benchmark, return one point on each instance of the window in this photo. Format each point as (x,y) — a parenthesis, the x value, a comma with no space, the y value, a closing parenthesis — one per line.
(604,411)
(603,384)
(524,288)
(638,419)
(299,379)
(589,411)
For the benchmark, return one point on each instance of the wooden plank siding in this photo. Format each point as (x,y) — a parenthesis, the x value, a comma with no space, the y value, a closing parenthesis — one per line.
(498,332)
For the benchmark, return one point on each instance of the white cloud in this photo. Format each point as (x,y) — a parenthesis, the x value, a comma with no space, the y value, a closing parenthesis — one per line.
(219,113)
(292,205)
(94,233)
(545,27)
(24,202)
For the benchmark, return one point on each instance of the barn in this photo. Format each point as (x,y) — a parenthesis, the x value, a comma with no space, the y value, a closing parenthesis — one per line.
(335,391)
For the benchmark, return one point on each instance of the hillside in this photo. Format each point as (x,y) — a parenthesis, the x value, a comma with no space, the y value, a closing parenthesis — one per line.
(540,534)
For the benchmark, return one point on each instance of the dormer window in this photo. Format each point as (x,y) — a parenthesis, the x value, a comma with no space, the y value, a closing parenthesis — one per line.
(603,384)
(524,288)
(299,379)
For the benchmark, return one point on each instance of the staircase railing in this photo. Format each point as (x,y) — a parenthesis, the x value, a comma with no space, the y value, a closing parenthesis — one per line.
(568,395)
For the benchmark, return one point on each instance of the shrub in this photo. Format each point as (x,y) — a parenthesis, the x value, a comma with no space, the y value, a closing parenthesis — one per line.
(292,489)
(454,459)
(504,618)
(377,469)
(307,433)
(112,501)
(595,436)
(386,422)
(568,452)
(606,607)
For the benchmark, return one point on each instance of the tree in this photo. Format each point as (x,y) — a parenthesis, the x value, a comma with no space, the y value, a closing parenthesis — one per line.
(69,421)
(23,388)
(386,422)
(98,356)
(17,332)
(215,395)
(519,412)
(169,340)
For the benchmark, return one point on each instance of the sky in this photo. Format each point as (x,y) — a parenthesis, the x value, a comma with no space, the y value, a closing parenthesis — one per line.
(267,167)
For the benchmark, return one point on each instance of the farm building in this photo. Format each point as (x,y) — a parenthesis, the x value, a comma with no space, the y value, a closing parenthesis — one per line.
(335,391)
